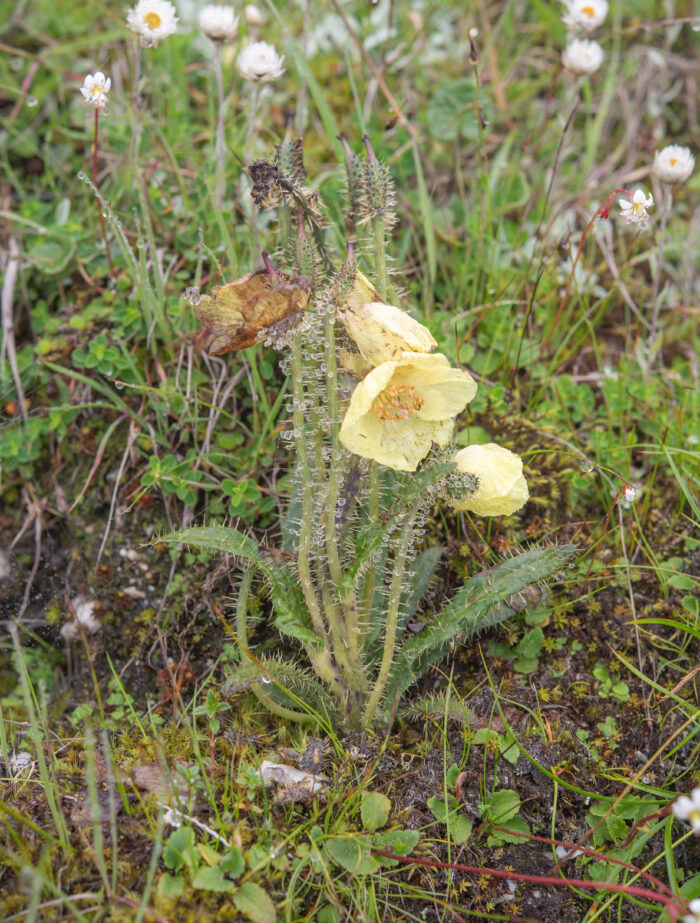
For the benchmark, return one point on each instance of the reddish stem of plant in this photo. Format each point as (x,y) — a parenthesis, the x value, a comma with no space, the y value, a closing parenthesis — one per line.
(671,904)
(270,268)
(602,211)
(600,857)
(99,204)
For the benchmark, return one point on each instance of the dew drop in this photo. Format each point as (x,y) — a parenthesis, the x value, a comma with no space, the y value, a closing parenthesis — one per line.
(32,101)
(586,466)
(266,680)
(81,176)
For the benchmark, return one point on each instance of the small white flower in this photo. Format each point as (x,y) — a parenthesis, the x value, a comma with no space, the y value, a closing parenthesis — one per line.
(694,915)
(95,90)
(219,23)
(630,493)
(585,14)
(473,32)
(635,212)
(582,56)
(674,164)
(153,20)
(260,63)
(253,16)
(688,808)
(84,615)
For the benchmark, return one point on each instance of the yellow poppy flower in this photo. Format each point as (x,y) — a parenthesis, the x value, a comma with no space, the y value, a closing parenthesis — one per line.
(502,487)
(401,407)
(381,331)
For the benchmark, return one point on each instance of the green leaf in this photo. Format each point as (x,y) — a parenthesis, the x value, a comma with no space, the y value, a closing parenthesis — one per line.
(401,842)
(517,825)
(448,813)
(352,855)
(171,886)
(211,878)
(291,616)
(531,644)
(233,863)
(254,903)
(479,604)
(177,844)
(375,809)
(501,807)
(452,112)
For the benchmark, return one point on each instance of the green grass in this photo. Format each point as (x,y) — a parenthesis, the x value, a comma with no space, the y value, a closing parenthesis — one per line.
(578,718)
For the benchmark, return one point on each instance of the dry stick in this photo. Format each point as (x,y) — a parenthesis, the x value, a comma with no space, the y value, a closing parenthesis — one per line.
(99,204)
(36,512)
(8,330)
(672,906)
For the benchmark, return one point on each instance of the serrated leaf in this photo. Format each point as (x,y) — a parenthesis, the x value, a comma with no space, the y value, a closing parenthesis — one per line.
(291,616)
(211,878)
(477,605)
(254,903)
(374,810)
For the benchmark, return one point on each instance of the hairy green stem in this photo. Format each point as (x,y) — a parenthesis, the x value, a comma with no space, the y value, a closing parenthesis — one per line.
(392,619)
(379,229)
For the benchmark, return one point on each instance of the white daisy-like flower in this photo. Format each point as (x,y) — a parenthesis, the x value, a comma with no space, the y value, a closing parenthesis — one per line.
(688,808)
(260,63)
(585,14)
(694,915)
(674,164)
(153,20)
(582,56)
(95,90)
(219,23)
(635,212)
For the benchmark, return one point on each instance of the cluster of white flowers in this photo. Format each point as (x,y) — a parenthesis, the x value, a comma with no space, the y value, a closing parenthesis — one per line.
(694,915)
(583,56)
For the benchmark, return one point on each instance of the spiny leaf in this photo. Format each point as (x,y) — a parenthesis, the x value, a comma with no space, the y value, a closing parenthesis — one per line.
(476,606)
(291,616)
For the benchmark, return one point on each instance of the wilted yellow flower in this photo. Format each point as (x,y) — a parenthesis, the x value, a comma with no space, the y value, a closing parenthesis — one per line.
(502,487)
(382,332)
(403,406)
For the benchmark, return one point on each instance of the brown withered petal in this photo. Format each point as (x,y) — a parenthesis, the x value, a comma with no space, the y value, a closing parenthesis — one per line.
(240,313)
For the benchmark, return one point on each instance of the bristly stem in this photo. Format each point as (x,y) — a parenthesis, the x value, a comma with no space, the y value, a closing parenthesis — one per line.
(220,136)
(253,113)
(392,619)
(666,200)
(112,271)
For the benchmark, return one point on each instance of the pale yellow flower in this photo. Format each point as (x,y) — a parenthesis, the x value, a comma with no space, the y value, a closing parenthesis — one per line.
(403,406)
(382,332)
(502,487)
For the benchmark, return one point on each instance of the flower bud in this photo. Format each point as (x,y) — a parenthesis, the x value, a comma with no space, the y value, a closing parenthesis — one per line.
(502,488)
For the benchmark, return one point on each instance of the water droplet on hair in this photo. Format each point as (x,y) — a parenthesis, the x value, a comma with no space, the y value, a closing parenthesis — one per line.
(32,101)
(586,466)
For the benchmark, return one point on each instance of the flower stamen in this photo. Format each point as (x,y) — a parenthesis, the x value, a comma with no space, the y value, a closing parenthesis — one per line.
(397,402)
(152,20)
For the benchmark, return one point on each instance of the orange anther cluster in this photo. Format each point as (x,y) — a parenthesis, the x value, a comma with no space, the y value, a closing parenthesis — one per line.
(397,402)
(152,20)
(588,10)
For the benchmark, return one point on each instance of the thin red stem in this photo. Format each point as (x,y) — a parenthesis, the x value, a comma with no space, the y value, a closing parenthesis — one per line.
(602,209)
(672,905)
(99,204)
(601,857)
